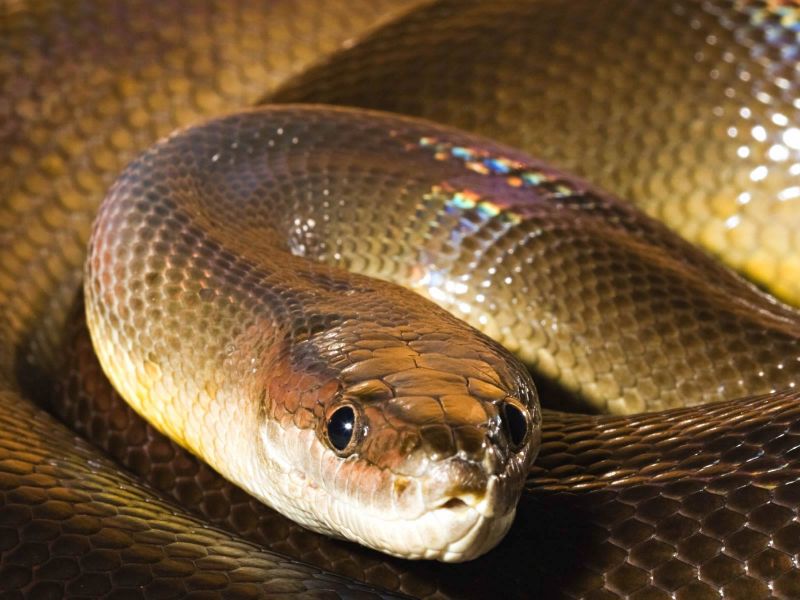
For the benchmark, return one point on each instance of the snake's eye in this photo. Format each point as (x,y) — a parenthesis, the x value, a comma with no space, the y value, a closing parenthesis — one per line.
(515,422)
(341,428)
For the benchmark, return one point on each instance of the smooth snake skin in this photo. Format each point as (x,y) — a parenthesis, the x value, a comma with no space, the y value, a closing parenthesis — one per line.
(723,518)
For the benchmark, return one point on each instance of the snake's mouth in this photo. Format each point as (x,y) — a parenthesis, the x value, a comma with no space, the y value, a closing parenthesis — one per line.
(454,523)
(458,485)
(458,525)
(470,531)
(454,504)
(454,531)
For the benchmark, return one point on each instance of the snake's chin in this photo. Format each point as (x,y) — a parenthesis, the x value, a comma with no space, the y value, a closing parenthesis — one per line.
(474,533)
(448,530)
(453,533)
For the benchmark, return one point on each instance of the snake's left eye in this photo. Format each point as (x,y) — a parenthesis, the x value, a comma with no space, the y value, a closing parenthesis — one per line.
(515,422)
(341,428)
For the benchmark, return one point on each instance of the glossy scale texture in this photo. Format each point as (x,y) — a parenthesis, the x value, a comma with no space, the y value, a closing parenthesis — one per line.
(213,312)
(742,527)
(464,211)
(87,85)
(689,109)
(690,503)
(73,525)
(84,87)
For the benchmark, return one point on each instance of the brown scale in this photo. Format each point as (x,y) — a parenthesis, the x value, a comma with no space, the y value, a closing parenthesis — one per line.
(695,502)
(588,291)
(189,266)
(84,86)
(687,108)
(74,525)
(612,479)
(88,84)
(711,520)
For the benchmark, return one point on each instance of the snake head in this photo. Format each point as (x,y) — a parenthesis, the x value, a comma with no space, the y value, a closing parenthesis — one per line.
(417,438)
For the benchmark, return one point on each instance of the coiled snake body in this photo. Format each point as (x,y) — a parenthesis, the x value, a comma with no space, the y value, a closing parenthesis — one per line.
(691,502)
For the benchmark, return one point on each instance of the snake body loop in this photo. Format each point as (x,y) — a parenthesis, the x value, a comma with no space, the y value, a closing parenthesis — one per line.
(690,104)
(688,109)
(212,320)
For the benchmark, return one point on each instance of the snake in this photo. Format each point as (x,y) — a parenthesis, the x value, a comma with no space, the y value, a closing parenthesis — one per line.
(687,502)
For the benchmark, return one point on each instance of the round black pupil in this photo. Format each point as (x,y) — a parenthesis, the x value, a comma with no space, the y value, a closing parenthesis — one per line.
(516,424)
(340,427)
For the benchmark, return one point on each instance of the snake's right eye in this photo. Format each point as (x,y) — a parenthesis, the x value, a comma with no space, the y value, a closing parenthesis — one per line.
(341,428)
(515,421)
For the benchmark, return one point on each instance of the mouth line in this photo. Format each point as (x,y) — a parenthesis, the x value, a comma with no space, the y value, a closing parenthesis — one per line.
(456,505)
